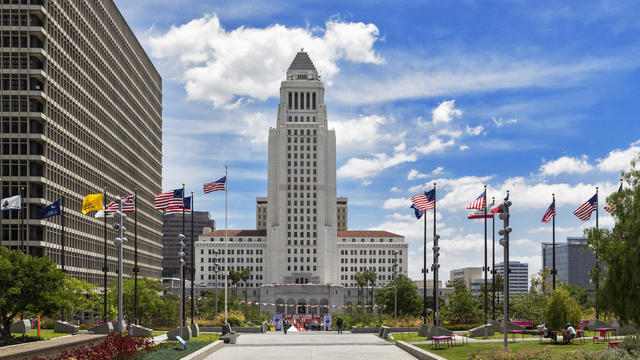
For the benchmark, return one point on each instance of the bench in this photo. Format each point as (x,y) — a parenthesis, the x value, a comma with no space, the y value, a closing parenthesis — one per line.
(613,344)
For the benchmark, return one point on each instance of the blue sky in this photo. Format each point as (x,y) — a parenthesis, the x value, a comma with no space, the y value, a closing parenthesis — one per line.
(531,97)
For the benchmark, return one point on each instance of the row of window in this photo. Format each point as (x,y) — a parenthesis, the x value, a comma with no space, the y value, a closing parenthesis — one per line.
(231,251)
(302,100)
(364,260)
(370,252)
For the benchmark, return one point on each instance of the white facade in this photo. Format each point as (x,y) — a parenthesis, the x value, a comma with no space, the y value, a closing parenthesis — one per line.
(302,235)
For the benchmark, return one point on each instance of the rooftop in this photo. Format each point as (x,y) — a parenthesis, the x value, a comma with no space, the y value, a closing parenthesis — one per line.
(237,233)
(302,61)
(366,233)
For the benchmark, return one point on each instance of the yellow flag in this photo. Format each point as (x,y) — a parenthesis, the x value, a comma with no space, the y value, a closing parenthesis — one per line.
(92,202)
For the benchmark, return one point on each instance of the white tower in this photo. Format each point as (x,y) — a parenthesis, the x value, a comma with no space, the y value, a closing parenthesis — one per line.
(301,210)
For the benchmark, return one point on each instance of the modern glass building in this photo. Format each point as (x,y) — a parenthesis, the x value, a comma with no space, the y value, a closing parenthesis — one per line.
(574,260)
(80,113)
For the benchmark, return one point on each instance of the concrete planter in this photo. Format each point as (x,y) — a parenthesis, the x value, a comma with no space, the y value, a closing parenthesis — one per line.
(21,327)
(63,327)
(185,333)
(106,329)
(140,331)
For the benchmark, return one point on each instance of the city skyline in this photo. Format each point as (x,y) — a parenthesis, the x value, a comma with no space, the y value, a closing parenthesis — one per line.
(448,96)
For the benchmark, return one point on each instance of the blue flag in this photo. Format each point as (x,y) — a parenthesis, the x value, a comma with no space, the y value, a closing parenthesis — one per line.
(187,202)
(417,211)
(52,210)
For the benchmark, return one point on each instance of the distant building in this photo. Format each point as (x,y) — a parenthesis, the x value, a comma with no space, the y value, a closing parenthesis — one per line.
(468,274)
(420,284)
(171,227)
(574,259)
(518,276)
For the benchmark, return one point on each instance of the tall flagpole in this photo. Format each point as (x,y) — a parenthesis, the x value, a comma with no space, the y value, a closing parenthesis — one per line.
(597,263)
(486,298)
(183,280)
(62,239)
(22,203)
(104,267)
(226,252)
(553,244)
(436,250)
(135,255)
(493,261)
(193,260)
(1,215)
(424,270)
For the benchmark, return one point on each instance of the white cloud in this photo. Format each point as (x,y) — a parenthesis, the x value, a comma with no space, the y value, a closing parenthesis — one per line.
(415,174)
(499,122)
(396,203)
(434,145)
(445,112)
(362,133)
(225,66)
(566,164)
(395,189)
(463,147)
(477,130)
(361,168)
(619,160)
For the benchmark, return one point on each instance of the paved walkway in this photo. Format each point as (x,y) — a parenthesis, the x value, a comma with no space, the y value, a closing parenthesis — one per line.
(311,345)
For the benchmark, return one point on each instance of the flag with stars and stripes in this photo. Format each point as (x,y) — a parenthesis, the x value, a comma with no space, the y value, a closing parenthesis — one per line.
(425,201)
(609,207)
(417,211)
(218,185)
(479,202)
(584,211)
(550,213)
(172,198)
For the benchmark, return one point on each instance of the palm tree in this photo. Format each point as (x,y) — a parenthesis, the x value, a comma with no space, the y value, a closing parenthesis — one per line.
(371,276)
(361,280)
(234,276)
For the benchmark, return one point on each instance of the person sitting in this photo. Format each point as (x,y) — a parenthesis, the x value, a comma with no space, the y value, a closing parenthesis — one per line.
(570,333)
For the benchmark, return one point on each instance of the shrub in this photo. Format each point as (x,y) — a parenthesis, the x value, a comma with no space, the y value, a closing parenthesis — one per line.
(115,346)
(561,308)
(48,323)
(235,318)
(631,345)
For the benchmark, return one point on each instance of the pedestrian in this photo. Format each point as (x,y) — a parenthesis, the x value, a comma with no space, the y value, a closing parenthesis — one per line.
(284,325)
(339,323)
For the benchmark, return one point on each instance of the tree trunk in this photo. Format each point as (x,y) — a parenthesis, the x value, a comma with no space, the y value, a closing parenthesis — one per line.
(6,329)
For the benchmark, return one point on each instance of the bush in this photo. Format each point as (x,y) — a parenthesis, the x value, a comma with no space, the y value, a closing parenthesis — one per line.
(234,317)
(48,323)
(115,346)
(632,345)
(561,309)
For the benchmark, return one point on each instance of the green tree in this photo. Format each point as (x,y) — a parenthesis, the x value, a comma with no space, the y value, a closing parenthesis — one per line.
(543,281)
(27,284)
(619,248)
(78,297)
(235,277)
(461,303)
(370,275)
(150,302)
(245,275)
(580,294)
(361,280)
(529,306)
(409,303)
(561,308)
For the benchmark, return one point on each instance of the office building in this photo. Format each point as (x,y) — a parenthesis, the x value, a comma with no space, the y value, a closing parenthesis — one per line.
(518,276)
(468,275)
(172,225)
(574,260)
(80,113)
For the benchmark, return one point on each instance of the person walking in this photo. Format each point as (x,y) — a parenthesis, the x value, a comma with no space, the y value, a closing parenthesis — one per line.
(339,323)
(284,325)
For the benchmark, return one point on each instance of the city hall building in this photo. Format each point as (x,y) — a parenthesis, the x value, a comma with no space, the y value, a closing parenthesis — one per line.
(301,253)
(80,113)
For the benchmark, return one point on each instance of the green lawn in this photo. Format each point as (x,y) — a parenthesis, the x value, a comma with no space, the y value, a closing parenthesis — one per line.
(44,333)
(157,333)
(500,336)
(208,337)
(462,352)
(172,350)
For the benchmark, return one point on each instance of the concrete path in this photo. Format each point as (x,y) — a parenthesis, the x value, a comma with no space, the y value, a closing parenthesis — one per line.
(311,345)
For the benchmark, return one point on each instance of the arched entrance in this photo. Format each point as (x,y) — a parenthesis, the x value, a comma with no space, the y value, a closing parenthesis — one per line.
(291,306)
(302,306)
(280,306)
(324,310)
(313,310)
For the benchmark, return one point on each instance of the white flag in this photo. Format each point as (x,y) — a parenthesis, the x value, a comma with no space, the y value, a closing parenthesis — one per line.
(100,214)
(12,203)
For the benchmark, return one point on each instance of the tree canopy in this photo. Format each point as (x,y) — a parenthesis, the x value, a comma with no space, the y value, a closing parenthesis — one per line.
(561,308)
(619,249)
(28,284)
(409,303)
(461,303)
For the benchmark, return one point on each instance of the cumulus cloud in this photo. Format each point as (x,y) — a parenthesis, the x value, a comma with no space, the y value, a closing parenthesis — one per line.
(434,145)
(362,168)
(396,203)
(566,164)
(228,67)
(499,122)
(619,160)
(463,147)
(445,112)
(415,174)
(362,133)
(476,130)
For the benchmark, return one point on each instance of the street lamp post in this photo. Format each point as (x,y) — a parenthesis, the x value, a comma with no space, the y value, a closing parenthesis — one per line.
(119,241)
(181,254)
(395,285)
(504,241)
(216,268)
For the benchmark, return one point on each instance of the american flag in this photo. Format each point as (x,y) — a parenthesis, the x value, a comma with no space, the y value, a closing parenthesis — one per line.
(129,204)
(172,198)
(496,208)
(584,211)
(609,207)
(218,185)
(550,213)
(479,202)
(179,209)
(425,201)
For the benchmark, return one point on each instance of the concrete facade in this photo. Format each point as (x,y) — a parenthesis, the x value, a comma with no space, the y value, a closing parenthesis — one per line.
(574,260)
(301,248)
(468,274)
(171,227)
(80,113)
(518,276)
